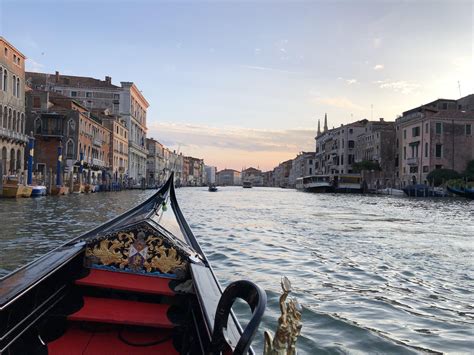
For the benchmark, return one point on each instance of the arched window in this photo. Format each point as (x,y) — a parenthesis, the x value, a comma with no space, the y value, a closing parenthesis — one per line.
(38,125)
(5,118)
(12,160)
(14,85)
(70,149)
(1,78)
(5,80)
(18,160)
(13,127)
(18,123)
(22,126)
(17,87)
(4,159)
(9,118)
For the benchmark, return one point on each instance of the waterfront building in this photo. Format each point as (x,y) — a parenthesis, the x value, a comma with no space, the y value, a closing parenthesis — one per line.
(268,178)
(118,157)
(156,165)
(335,148)
(435,136)
(252,175)
(281,174)
(194,172)
(58,121)
(303,165)
(229,177)
(377,144)
(125,100)
(12,108)
(176,164)
(210,174)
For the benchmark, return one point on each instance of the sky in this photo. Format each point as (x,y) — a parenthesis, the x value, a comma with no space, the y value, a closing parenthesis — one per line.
(244,83)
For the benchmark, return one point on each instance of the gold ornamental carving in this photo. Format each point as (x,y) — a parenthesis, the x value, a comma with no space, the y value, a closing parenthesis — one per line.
(289,325)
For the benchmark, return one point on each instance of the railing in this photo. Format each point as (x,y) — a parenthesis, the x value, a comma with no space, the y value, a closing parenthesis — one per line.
(97,142)
(98,162)
(412,161)
(13,135)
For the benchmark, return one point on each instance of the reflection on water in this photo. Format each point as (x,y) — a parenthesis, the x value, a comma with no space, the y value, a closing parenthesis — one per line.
(374,273)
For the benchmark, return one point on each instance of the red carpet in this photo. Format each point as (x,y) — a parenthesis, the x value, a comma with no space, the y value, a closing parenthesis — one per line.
(78,341)
(127,282)
(106,310)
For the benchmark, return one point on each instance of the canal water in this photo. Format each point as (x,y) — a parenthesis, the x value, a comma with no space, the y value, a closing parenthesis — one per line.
(376,274)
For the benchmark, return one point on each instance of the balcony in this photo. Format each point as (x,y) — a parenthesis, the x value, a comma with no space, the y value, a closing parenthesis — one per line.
(412,161)
(98,162)
(8,133)
(97,142)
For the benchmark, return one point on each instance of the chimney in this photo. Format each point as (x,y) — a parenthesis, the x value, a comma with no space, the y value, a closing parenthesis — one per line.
(108,80)
(57,76)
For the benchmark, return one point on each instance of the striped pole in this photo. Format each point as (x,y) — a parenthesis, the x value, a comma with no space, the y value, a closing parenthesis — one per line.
(58,166)
(31,151)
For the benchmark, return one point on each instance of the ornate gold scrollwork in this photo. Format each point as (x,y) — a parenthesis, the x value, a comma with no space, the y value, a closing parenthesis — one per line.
(289,325)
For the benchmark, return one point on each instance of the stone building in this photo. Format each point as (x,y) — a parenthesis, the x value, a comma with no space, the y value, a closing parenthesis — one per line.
(125,100)
(335,148)
(253,175)
(156,165)
(268,178)
(378,144)
(210,174)
(303,165)
(229,177)
(281,174)
(118,156)
(58,121)
(194,173)
(12,108)
(434,136)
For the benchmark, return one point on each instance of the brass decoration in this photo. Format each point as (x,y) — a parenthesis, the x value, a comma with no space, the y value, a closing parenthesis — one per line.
(289,325)
(140,249)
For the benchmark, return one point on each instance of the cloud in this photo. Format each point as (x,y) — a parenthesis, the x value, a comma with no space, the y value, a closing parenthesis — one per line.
(402,86)
(227,145)
(351,81)
(379,67)
(340,102)
(254,67)
(34,66)
(377,42)
(257,50)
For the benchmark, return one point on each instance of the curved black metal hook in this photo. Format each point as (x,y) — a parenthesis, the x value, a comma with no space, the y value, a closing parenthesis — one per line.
(256,299)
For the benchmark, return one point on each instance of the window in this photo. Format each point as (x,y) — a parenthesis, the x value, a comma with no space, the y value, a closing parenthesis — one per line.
(415,131)
(413,169)
(437,167)
(439,150)
(36,102)
(17,87)
(88,94)
(404,153)
(439,127)
(1,78)
(351,144)
(6,52)
(351,130)
(445,106)
(14,85)
(426,149)
(74,93)
(404,134)
(468,130)
(5,80)
(116,96)
(425,168)
(427,127)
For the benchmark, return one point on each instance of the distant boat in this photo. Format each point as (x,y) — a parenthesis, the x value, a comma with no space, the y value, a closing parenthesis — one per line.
(12,188)
(422,190)
(38,190)
(247,184)
(348,183)
(463,192)
(213,188)
(315,183)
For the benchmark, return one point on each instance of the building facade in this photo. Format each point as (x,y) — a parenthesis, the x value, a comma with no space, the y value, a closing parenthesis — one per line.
(156,165)
(429,139)
(229,177)
(12,109)
(253,176)
(210,174)
(303,165)
(125,100)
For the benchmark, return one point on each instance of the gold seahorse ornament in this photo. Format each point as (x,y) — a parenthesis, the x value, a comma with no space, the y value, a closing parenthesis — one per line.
(289,325)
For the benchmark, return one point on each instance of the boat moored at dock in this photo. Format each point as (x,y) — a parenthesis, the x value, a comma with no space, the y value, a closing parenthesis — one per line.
(348,183)
(315,183)
(247,184)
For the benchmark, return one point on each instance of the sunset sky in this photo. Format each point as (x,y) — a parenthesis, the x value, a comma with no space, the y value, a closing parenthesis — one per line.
(243,83)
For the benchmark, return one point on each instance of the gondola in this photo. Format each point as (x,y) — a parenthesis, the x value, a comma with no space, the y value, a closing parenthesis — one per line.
(138,284)
(463,192)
